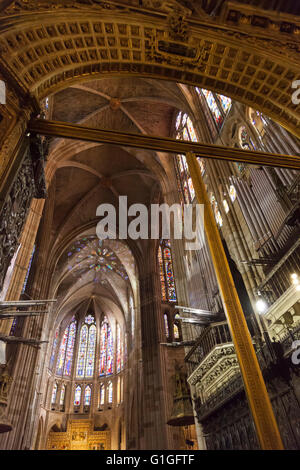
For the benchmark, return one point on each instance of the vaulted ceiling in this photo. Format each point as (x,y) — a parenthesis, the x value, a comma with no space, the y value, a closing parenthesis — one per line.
(83,175)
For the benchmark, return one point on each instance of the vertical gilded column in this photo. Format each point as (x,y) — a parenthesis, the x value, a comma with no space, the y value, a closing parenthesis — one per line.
(259,401)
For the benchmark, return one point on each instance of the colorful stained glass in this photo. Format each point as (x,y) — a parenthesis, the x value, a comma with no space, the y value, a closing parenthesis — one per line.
(62,395)
(28,270)
(89,319)
(191,189)
(166,272)
(225,102)
(219,218)
(102,394)
(213,106)
(82,351)
(185,185)
(54,393)
(90,254)
(103,347)
(131,308)
(232,193)
(226,206)
(53,352)
(109,352)
(13,326)
(162,274)
(185,134)
(119,349)
(87,396)
(169,275)
(70,349)
(176,331)
(62,352)
(90,361)
(110,392)
(191,130)
(77,397)
(178,120)
(201,164)
(166,325)
(119,390)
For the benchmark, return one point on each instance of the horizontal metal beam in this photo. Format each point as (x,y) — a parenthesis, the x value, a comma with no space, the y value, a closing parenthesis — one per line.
(161,144)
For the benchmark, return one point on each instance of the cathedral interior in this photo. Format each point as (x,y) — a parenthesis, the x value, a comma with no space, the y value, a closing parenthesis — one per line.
(132,344)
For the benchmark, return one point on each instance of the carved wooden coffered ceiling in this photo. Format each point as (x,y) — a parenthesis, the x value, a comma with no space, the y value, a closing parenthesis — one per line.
(249,54)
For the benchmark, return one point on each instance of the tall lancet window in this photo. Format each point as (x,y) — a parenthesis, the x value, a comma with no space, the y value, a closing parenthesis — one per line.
(54,393)
(87,396)
(185,131)
(66,350)
(87,348)
(106,349)
(167,280)
(119,347)
(54,347)
(77,396)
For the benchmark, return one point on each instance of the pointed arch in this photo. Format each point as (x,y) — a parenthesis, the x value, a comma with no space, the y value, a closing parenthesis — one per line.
(167,279)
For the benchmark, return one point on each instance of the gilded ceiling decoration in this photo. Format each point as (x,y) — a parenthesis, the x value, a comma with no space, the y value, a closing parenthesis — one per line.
(252,58)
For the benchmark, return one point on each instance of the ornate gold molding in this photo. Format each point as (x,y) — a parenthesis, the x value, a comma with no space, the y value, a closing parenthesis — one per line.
(76,132)
(46,48)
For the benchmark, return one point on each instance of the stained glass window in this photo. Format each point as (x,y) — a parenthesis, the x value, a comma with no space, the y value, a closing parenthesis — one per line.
(28,270)
(185,184)
(216,211)
(87,396)
(87,348)
(54,393)
(109,392)
(131,307)
(65,353)
(13,326)
(119,391)
(102,394)
(70,349)
(77,397)
(219,105)
(62,395)
(100,259)
(53,352)
(176,331)
(166,325)
(89,372)
(232,193)
(226,206)
(103,347)
(213,106)
(225,102)
(178,120)
(119,355)
(106,349)
(168,289)
(110,352)
(82,351)
(62,352)
(245,140)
